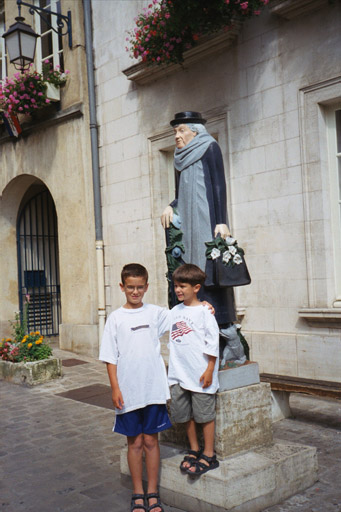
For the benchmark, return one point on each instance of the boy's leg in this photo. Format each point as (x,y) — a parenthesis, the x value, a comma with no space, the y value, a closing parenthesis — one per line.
(152,453)
(208,430)
(181,411)
(192,437)
(204,413)
(135,453)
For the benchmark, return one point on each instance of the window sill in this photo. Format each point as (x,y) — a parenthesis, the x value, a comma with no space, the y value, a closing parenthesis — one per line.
(289,9)
(209,45)
(316,317)
(52,119)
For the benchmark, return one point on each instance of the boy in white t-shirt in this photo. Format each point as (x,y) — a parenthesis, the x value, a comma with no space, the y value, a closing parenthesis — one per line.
(131,349)
(193,368)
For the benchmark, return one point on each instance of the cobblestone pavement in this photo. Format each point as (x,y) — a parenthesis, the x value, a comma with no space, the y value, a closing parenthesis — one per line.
(59,455)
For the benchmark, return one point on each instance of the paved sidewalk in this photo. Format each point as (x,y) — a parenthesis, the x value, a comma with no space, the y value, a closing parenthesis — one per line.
(59,454)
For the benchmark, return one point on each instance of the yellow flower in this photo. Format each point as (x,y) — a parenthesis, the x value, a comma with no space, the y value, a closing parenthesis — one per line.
(23,340)
(38,342)
(3,339)
(8,339)
(29,345)
(37,333)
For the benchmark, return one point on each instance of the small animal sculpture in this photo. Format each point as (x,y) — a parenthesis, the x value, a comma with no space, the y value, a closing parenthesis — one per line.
(233,350)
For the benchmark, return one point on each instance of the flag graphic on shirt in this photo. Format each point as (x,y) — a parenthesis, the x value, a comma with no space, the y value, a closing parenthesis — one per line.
(179,329)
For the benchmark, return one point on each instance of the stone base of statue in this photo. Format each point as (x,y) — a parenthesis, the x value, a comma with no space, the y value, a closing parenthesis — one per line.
(255,471)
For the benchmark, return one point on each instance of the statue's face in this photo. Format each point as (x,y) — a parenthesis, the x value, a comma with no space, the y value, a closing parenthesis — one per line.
(183,135)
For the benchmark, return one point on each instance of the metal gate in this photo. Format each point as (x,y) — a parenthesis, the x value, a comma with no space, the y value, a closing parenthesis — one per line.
(38,265)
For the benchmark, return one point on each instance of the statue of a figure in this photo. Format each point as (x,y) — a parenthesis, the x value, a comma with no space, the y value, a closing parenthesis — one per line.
(200,201)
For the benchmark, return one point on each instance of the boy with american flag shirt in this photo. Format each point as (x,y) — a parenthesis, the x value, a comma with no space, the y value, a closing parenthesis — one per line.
(193,368)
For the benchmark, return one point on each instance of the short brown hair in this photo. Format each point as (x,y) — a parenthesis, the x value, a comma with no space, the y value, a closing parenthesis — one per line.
(134,270)
(189,273)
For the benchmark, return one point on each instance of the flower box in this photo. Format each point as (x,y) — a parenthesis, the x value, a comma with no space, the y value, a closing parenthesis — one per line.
(52,92)
(209,45)
(32,373)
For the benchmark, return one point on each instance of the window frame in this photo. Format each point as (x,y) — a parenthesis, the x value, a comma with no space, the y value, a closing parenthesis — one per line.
(334,164)
(57,51)
(3,54)
(314,102)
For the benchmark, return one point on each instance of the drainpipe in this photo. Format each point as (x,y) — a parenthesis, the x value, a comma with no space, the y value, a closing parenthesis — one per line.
(95,167)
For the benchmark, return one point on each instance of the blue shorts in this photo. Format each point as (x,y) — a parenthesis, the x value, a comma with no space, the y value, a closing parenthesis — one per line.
(148,420)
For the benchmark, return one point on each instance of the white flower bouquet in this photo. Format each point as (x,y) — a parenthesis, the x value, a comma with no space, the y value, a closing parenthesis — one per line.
(225,264)
(228,249)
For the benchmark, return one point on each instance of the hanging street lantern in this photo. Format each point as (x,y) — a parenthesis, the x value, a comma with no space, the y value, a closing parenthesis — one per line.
(21,39)
(21,43)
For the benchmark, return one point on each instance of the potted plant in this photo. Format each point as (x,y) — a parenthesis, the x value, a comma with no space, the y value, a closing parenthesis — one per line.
(27,357)
(54,79)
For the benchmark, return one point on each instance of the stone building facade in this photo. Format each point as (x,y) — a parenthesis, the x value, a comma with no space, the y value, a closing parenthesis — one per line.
(271,92)
(46,201)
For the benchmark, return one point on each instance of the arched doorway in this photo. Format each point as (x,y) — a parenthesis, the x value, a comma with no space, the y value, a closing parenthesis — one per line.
(38,261)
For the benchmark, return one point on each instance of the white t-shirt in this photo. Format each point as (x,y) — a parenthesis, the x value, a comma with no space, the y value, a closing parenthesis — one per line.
(131,341)
(194,335)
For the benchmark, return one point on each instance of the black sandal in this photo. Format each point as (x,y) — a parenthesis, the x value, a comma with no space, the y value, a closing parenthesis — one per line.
(134,505)
(157,504)
(192,457)
(201,467)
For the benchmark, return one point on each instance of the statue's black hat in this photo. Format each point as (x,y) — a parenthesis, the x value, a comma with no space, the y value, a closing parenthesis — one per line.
(187,117)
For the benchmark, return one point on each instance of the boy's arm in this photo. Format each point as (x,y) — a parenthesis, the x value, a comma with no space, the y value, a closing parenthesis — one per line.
(117,397)
(206,377)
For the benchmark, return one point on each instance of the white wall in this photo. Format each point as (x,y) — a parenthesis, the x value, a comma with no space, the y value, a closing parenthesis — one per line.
(261,83)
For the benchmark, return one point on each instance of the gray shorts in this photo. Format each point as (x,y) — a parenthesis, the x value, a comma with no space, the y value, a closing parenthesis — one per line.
(189,404)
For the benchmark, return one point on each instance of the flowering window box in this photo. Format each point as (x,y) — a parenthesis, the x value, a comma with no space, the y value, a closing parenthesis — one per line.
(52,92)
(209,45)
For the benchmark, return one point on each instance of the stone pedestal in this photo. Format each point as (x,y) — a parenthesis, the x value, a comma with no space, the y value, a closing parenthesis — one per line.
(248,482)
(255,471)
(243,421)
(244,375)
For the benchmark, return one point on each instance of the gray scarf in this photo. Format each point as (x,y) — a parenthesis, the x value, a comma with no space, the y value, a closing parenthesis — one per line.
(193,206)
(193,152)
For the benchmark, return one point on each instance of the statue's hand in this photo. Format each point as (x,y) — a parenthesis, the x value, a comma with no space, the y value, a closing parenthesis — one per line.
(223,230)
(167,217)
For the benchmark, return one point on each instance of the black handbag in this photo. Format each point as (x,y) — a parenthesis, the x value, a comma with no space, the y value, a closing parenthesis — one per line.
(221,275)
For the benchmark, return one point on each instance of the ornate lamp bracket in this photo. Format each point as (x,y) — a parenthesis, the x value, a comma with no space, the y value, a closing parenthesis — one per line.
(63,22)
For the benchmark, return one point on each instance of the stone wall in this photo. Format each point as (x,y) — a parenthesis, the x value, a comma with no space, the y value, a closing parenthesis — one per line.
(251,93)
(56,153)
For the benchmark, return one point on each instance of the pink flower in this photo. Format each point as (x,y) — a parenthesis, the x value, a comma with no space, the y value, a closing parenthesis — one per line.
(47,100)
(244,5)
(46,61)
(40,94)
